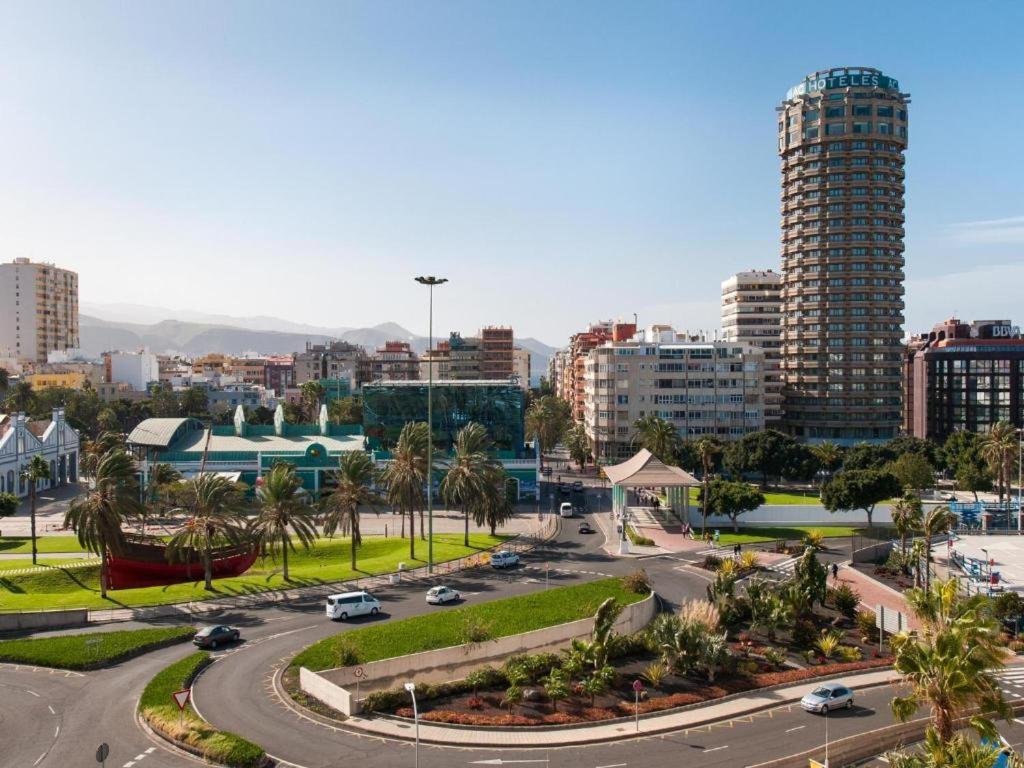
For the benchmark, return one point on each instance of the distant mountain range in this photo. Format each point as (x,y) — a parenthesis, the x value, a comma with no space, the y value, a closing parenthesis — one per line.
(197,334)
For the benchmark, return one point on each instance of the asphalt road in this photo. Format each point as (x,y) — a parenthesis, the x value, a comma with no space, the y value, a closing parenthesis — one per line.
(235,693)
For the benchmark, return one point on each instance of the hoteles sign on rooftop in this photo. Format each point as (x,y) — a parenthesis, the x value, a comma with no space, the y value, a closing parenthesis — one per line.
(858,80)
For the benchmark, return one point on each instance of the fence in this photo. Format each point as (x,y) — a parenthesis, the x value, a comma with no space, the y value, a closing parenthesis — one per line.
(546,528)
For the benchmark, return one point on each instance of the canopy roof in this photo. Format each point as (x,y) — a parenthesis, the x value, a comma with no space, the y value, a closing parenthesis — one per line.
(645,470)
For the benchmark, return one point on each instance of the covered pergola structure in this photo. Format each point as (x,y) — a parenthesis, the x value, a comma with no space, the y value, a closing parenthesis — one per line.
(647,471)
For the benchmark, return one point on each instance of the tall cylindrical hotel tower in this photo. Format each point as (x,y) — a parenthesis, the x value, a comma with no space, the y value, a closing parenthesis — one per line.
(842,135)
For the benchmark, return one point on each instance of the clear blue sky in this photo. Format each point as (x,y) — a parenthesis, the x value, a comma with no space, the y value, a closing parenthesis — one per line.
(559,161)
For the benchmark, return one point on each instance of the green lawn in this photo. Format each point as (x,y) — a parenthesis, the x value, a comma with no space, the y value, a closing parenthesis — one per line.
(327,562)
(774,497)
(501,618)
(158,707)
(15,545)
(91,650)
(792,533)
(14,565)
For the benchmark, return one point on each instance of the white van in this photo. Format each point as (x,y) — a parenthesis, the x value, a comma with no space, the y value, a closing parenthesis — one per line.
(565,509)
(349,604)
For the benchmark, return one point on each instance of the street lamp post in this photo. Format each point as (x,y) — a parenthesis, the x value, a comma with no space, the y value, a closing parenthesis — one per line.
(1020,469)
(430,281)
(411,688)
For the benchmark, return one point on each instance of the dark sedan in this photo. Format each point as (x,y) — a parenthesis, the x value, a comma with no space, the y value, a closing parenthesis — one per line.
(213,637)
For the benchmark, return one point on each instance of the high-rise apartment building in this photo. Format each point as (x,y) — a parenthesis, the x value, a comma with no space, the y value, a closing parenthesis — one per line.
(489,356)
(521,364)
(842,137)
(38,310)
(700,387)
(395,361)
(337,360)
(496,353)
(752,313)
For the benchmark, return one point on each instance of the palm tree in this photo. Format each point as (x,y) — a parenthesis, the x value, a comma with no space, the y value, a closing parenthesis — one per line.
(949,664)
(37,469)
(547,418)
(998,448)
(937,520)
(465,483)
(829,455)
(406,474)
(657,436)
(161,478)
(97,516)
(95,449)
(578,445)
(906,518)
(312,397)
(216,509)
(341,507)
(284,504)
(495,506)
(20,397)
(706,451)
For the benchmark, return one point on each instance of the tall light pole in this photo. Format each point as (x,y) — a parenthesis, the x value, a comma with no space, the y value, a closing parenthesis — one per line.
(411,688)
(430,281)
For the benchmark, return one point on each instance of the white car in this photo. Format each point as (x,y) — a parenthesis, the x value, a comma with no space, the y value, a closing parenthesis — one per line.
(439,595)
(504,559)
(565,509)
(348,604)
(827,697)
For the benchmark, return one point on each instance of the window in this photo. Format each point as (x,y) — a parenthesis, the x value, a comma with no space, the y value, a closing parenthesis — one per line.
(810,115)
(835,111)
(885,128)
(864,127)
(884,112)
(835,129)
(835,146)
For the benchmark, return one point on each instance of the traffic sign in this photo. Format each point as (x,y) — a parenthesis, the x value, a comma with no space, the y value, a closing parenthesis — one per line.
(812,763)
(181,697)
(102,751)
(359,672)
(638,685)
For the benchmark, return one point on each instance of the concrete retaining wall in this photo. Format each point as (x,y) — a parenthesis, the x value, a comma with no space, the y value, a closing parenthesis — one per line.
(796,514)
(454,663)
(873,554)
(21,622)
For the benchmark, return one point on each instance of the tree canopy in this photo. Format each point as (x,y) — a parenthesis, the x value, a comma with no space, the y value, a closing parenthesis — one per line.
(859,489)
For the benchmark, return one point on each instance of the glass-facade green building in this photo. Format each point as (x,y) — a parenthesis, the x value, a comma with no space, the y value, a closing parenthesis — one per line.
(498,405)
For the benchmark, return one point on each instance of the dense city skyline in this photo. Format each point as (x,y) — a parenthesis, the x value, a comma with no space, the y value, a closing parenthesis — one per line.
(514,146)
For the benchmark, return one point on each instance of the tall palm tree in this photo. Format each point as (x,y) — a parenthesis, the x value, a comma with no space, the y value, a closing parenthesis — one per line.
(949,664)
(284,504)
(706,451)
(20,397)
(352,490)
(998,448)
(829,455)
(547,419)
(906,518)
(657,436)
(464,484)
(494,507)
(406,475)
(936,520)
(312,397)
(215,509)
(96,517)
(95,449)
(37,469)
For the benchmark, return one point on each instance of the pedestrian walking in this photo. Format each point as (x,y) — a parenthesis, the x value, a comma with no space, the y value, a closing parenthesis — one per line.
(835,571)
(718,536)
(736,550)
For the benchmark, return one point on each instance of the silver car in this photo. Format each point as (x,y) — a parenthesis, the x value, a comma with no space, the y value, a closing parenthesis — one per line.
(439,595)
(827,697)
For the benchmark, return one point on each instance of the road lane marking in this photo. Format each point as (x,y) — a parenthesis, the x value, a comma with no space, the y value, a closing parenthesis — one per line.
(50,707)
(616,765)
(39,759)
(32,692)
(150,750)
(715,749)
(139,757)
(1018,720)
(56,733)
(796,729)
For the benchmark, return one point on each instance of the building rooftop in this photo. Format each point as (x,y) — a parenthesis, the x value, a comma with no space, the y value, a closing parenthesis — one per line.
(196,440)
(160,433)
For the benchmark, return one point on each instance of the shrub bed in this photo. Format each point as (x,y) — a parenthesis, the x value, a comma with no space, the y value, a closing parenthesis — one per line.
(188,729)
(91,650)
(488,621)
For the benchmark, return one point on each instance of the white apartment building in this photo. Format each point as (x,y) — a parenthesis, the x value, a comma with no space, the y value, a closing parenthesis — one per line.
(38,310)
(521,366)
(701,387)
(752,313)
(137,370)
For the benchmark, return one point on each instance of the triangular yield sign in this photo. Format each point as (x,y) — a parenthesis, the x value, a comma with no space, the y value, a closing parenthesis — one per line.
(181,697)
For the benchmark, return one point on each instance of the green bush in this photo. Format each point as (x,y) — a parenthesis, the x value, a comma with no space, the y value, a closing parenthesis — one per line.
(845,600)
(866,623)
(386,701)
(711,562)
(510,616)
(158,708)
(636,538)
(805,635)
(849,653)
(637,582)
(90,650)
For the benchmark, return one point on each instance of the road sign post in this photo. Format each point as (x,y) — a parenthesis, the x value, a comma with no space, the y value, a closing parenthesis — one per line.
(102,752)
(638,688)
(181,699)
(359,672)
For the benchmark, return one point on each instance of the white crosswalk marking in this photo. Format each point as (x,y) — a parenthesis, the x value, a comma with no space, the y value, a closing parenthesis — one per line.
(1012,681)
(786,567)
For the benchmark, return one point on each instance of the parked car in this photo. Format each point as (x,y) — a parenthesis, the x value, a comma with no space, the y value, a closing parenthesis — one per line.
(348,604)
(546,471)
(504,559)
(564,489)
(565,509)
(585,527)
(212,637)
(439,595)
(577,486)
(827,697)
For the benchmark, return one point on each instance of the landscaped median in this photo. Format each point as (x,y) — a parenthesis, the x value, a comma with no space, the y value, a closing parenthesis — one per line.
(186,728)
(90,650)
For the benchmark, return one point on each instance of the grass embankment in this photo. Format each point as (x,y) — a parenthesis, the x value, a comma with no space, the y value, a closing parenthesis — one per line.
(44,562)
(157,706)
(91,650)
(327,562)
(499,618)
(788,533)
(22,545)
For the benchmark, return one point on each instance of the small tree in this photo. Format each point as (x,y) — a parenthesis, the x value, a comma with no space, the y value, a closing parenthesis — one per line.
(732,499)
(37,469)
(859,489)
(972,475)
(578,445)
(556,686)
(513,697)
(914,471)
(8,504)
(811,576)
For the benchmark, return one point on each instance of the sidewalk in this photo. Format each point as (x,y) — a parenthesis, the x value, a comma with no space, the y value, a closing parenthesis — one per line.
(874,593)
(552,736)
